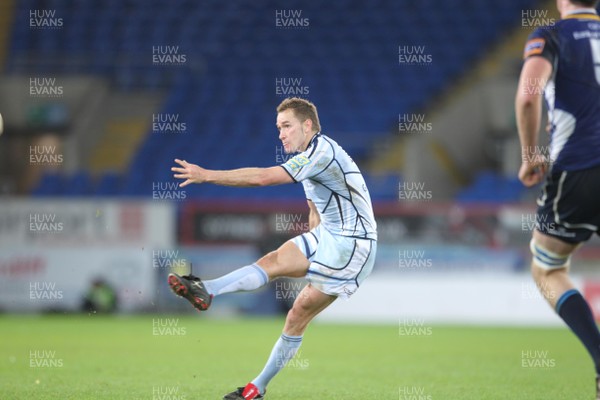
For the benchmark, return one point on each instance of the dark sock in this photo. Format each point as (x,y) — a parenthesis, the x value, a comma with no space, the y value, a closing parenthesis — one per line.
(576,312)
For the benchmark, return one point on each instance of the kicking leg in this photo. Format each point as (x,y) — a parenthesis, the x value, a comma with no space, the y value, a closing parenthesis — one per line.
(308,304)
(549,269)
(288,261)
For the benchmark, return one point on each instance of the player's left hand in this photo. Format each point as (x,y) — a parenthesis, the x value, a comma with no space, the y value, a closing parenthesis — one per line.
(190,172)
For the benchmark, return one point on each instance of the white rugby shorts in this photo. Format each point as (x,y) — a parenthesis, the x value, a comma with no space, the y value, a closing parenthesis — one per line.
(338,264)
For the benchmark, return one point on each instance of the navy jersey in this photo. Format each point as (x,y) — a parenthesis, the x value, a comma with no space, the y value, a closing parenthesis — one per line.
(573,95)
(333,182)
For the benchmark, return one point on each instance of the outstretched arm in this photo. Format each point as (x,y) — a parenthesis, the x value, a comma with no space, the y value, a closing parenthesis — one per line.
(243,177)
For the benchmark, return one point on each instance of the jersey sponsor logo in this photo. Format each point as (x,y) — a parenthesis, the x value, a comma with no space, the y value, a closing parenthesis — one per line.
(297,162)
(533,47)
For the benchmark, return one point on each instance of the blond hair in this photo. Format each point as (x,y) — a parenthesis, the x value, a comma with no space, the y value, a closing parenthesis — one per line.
(303,110)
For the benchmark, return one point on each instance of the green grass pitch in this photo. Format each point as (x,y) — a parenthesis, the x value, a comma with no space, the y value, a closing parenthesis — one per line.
(190,357)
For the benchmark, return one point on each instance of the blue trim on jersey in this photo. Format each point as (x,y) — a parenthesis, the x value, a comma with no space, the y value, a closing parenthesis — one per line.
(313,142)
(328,276)
(348,263)
(306,248)
(335,194)
(330,162)
(323,170)
(337,200)
(365,263)
(362,237)
(314,138)
(328,201)
(289,173)
(327,266)
(331,190)
(563,298)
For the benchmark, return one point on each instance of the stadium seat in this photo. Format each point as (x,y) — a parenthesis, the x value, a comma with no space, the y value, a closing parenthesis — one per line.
(78,184)
(50,184)
(491,187)
(109,184)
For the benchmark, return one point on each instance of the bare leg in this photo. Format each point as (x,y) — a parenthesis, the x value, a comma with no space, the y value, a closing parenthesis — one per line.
(287,261)
(309,303)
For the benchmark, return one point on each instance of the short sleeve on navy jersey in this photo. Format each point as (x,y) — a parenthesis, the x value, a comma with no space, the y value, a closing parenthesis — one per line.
(541,43)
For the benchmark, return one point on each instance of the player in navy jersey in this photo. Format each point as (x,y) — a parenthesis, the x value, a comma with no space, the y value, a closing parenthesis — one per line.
(563,61)
(335,256)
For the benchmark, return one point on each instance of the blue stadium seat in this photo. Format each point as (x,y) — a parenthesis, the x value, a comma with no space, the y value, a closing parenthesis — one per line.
(78,184)
(50,184)
(491,187)
(109,184)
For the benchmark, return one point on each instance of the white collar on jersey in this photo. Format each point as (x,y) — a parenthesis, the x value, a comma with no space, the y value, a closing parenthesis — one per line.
(583,11)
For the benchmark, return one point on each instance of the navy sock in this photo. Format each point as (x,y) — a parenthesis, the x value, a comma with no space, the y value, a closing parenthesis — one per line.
(576,312)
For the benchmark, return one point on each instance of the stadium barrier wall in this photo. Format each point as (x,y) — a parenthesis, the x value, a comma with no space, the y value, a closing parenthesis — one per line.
(56,280)
(52,249)
(484,299)
(67,222)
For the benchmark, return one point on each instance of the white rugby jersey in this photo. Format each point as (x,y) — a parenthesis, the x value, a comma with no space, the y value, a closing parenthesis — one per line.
(333,182)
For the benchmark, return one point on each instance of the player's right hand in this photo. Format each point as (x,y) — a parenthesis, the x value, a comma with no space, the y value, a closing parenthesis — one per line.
(190,172)
(530,174)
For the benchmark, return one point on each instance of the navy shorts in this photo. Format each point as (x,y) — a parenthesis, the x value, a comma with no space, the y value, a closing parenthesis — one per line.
(569,205)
